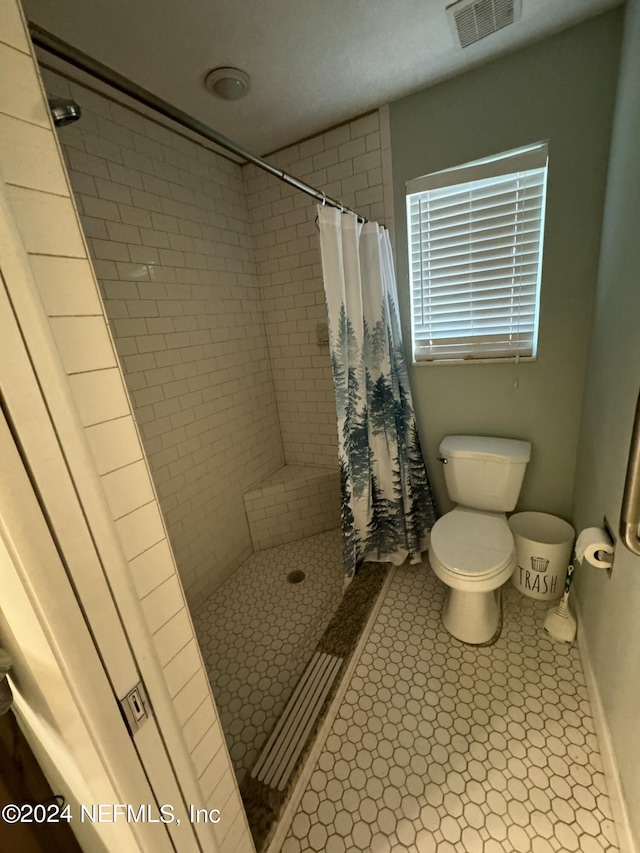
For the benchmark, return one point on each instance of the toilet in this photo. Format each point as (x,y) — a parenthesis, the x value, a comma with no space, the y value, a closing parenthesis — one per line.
(472,549)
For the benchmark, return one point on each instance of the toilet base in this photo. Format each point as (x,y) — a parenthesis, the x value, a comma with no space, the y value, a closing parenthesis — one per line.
(471,617)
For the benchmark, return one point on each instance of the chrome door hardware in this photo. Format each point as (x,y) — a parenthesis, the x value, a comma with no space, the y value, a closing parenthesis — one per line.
(134,707)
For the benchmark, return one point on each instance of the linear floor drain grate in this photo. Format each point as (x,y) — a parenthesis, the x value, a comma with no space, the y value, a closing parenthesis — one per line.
(279,756)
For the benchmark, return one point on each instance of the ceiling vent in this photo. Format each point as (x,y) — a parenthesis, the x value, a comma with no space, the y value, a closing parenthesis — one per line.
(473,20)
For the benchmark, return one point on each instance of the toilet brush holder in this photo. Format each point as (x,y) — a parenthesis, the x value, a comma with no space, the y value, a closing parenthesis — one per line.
(560,623)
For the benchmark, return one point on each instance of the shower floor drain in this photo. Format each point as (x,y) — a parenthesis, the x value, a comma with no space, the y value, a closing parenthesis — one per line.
(296,577)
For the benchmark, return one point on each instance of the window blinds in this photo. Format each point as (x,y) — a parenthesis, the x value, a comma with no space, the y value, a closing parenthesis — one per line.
(475,247)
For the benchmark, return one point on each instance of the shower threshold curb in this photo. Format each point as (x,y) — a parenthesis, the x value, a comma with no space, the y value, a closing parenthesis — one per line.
(286,818)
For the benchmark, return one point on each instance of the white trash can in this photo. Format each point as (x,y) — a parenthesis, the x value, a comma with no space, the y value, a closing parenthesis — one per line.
(543,554)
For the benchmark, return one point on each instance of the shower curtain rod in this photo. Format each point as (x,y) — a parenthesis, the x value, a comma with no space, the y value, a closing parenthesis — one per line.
(52,44)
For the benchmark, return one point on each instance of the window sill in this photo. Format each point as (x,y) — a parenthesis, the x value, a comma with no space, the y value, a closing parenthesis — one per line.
(442,362)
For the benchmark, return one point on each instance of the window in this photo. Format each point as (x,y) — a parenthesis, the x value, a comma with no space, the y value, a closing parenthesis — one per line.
(475,256)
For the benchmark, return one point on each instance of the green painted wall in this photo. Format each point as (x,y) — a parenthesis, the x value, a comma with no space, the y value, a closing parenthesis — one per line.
(611,607)
(563,90)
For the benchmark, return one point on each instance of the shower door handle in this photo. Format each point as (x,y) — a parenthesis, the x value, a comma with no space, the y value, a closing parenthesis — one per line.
(630,512)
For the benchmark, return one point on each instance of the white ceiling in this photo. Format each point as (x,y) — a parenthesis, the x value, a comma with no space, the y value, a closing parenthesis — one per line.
(313,63)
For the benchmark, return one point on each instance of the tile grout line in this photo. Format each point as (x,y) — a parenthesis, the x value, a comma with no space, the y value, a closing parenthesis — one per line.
(286,819)
(440,745)
(306,610)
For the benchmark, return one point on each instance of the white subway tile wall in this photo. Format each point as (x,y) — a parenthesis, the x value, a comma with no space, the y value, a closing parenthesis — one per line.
(351,163)
(168,227)
(295,502)
(41,201)
(220,378)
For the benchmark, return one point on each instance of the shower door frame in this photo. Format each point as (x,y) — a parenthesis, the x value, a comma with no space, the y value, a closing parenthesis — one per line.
(25,407)
(63,699)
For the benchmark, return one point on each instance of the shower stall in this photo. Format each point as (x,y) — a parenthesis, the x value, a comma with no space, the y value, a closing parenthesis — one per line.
(210,276)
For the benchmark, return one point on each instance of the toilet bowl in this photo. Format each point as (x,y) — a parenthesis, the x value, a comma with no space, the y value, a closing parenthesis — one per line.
(472,549)
(473,553)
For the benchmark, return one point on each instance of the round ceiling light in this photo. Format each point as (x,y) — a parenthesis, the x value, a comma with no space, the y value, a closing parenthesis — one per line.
(230,84)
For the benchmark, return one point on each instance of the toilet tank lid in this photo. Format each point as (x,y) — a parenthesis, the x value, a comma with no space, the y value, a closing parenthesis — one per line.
(509,450)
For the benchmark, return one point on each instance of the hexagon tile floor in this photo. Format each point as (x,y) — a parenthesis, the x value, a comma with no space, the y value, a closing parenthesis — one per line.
(440,747)
(257,633)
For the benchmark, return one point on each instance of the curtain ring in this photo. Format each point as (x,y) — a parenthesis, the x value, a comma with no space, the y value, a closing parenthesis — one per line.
(324,199)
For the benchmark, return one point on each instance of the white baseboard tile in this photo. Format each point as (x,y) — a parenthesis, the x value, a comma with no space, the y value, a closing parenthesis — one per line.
(619,809)
(291,808)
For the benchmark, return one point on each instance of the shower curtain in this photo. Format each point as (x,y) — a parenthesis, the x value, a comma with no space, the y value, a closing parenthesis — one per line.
(387,505)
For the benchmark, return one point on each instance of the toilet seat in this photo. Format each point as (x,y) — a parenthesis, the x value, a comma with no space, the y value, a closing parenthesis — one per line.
(472,545)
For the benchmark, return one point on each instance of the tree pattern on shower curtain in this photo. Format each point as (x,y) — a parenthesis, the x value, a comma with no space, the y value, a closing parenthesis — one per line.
(387,505)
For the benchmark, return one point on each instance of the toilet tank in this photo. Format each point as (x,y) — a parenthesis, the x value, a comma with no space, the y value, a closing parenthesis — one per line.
(484,473)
